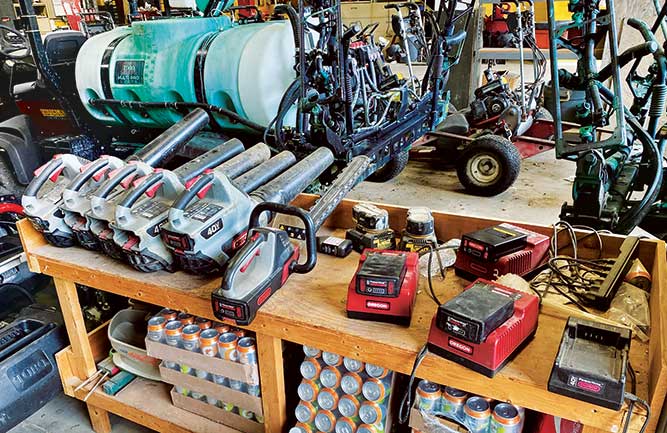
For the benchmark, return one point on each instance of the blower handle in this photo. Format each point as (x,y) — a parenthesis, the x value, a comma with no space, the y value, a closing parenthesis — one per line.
(111,184)
(45,173)
(88,172)
(286,209)
(189,194)
(136,193)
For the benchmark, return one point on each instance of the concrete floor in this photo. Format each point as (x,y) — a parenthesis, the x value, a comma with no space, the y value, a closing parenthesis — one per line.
(536,197)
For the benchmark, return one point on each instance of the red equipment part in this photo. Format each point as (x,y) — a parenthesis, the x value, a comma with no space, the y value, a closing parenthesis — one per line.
(491,355)
(384,286)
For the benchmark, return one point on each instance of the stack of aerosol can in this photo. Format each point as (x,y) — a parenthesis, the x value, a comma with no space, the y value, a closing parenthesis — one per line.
(341,395)
(477,414)
(217,340)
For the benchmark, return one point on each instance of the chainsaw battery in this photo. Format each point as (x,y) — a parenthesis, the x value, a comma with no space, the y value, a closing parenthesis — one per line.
(334,246)
(494,242)
(475,313)
(591,363)
(383,240)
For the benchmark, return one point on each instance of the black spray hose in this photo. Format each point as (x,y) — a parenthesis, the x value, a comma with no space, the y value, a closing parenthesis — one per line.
(293,17)
(290,96)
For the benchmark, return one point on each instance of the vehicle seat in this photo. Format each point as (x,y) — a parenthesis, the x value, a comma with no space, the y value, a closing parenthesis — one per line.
(454,123)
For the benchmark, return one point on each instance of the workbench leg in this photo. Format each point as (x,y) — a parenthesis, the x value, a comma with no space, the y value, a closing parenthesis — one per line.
(84,363)
(274,402)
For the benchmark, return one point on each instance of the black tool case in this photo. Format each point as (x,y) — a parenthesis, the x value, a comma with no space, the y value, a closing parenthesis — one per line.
(28,373)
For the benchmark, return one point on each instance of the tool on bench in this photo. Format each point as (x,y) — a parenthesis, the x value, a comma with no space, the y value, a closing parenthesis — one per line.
(209,221)
(144,209)
(266,260)
(592,362)
(105,368)
(105,199)
(499,250)
(372,228)
(76,201)
(484,326)
(384,287)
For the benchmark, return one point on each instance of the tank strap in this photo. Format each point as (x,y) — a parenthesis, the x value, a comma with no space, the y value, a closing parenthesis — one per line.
(105,78)
(200,62)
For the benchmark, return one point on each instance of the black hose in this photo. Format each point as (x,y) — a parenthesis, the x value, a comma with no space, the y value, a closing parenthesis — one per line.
(293,16)
(290,96)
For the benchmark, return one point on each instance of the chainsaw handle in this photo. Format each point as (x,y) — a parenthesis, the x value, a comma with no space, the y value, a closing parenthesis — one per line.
(44,175)
(80,180)
(189,194)
(110,184)
(286,209)
(136,193)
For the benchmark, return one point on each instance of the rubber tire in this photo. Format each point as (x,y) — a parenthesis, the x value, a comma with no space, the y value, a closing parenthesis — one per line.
(543,114)
(505,154)
(391,169)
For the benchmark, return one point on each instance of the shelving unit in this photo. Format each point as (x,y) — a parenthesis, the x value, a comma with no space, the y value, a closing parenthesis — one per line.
(310,310)
(44,11)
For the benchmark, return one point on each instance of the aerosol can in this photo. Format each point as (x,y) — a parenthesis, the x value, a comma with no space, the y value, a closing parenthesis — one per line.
(43,196)
(77,196)
(143,210)
(209,221)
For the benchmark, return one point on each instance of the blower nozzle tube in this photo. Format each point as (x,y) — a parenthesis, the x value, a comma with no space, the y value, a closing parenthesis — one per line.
(263,173)
(285,187)
(165,145)
(245,161)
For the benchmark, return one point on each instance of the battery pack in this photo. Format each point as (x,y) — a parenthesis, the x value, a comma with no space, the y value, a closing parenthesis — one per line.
(361,240)
(494,242)
(334,246)
(591,363)
(476,312)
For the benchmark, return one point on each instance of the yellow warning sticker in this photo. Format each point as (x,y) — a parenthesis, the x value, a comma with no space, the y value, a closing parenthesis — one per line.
(53,113)
(498,229)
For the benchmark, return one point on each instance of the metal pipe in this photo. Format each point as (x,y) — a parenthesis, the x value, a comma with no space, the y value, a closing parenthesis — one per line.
(261,174)
(245,161)
(209,160)
(285,187)
(165,145)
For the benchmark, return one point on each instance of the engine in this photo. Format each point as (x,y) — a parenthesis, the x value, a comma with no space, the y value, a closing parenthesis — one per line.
(242,68)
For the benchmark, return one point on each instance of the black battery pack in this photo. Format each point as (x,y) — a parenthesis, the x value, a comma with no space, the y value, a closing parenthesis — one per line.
(494,242)
(334,246)
(381,274)
(475,313)
(591,363)
(384,240)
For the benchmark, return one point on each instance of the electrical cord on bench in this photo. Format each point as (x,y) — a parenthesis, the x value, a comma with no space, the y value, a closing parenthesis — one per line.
(406,402)
(634,400)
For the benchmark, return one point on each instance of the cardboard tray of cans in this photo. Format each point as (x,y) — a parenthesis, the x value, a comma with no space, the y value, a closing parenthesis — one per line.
(419,424)
(212,389)
(215,413)
(222,367)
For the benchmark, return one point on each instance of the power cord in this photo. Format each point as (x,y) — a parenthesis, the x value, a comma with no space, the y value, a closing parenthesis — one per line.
(634,400)
(406,401)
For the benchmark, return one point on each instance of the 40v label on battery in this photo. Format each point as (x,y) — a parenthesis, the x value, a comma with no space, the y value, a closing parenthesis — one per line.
(212,229)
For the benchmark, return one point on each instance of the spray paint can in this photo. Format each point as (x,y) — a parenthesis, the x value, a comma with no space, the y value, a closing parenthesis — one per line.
(327,399)
(330,377)
(477,415)
(301,428)
(247,414)
(371,413)
(226,351)
(212,401)
(310,369)
(332,359)
(220,327)
(453,401)
(325,421)
(345,425)
(428,396)
(367,428)
(203,323)
(227,407)
(308,390)
(376,371)
(172,337)
(207,346)
(305,412)
(239,332)
(351,383)
(348,406)
(186,319)
(156,325)
(505,419)
(353,365)
(168,314)
(374,390)
(190,341)
(247,350)
(312,352)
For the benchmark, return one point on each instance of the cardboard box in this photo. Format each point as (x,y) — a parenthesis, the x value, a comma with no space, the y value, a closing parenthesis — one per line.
(206,387)
(418,423)
(216,414)
(219,366)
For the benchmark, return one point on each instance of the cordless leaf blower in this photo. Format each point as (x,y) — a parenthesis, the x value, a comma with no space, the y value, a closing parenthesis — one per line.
(268,257)
(209,221)
(144,209)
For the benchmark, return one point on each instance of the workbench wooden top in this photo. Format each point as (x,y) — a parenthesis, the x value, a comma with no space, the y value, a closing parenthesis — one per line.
(310,309)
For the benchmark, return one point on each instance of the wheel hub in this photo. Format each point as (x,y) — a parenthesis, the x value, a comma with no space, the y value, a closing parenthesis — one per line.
(483,169)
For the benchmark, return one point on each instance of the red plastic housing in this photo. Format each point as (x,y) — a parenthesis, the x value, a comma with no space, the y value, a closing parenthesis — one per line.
(393,309)
(492,354)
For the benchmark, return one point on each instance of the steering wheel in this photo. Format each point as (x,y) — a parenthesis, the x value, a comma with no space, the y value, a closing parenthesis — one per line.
(15,51)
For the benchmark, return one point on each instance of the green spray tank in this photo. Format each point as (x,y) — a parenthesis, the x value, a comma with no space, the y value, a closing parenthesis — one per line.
(151,65)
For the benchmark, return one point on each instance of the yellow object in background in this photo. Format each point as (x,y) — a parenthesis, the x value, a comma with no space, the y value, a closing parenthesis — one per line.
(560,8)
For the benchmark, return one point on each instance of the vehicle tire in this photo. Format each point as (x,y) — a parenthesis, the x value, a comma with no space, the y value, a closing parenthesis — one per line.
(543,114)
(8,183)
(391,169)
(489,165)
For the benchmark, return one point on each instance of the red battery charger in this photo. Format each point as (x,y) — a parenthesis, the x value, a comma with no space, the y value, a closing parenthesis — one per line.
(384,287)
(484,326)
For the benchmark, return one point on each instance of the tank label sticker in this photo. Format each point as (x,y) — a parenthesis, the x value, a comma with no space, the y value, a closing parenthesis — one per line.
(202,211)
(150,209)
(129,72)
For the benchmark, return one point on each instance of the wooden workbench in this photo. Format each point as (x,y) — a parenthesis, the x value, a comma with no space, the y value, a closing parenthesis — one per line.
(310,310)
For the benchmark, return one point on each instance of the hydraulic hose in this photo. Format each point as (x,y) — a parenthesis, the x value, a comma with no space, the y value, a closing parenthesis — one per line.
(293,17)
